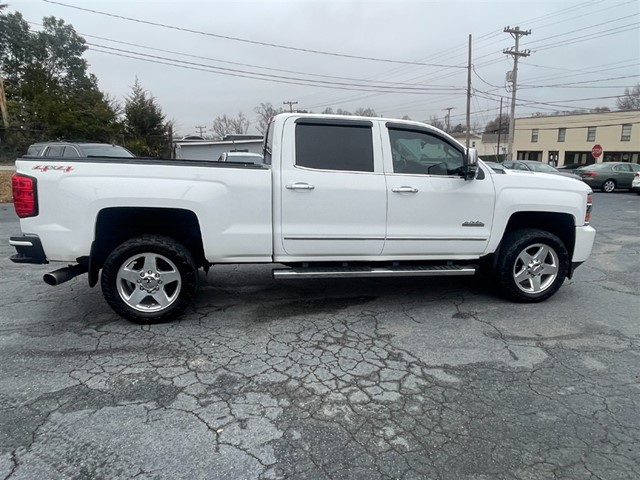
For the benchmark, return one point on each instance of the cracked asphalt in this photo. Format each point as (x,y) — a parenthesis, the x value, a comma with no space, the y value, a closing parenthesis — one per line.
(411,378)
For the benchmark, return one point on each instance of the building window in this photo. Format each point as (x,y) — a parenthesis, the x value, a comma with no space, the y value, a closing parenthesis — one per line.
(591,134)
(562,133)
(626,133)
(534,135)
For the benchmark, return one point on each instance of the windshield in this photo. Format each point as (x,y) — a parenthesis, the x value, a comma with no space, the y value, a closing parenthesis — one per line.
(105,151)
(541,167)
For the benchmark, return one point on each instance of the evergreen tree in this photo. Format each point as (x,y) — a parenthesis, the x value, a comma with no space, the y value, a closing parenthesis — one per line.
(147,133)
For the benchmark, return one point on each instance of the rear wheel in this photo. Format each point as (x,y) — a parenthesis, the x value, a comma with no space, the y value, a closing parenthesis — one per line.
(609,186)
(532,265)
(149,279)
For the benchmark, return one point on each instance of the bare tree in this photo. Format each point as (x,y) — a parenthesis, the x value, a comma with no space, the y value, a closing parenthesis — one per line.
(630,100)
(265,112)
(499,124)
(365,112)
(436,122)
(225,125)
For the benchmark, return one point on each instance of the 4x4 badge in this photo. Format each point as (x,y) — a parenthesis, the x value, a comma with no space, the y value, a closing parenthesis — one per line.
(473,224)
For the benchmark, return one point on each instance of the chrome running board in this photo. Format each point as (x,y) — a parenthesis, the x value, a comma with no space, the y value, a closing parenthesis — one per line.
(352,272)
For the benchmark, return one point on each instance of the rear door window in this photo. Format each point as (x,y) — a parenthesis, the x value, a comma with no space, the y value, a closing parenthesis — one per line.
(71,152)
(346,146)
(54,151)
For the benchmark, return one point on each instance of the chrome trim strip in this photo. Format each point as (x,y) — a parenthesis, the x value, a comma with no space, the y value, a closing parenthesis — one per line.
(19,243)
(333,238)
(423,239)
(437,239)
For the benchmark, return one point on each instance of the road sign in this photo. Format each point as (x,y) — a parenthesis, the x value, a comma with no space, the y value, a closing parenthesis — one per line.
(596,151)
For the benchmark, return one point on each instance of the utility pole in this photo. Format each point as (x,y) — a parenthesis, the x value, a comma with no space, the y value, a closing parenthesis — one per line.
(447,118)
(516,33)
(291,104)
(499,131)
(202,129)
(469,95)
(3,105)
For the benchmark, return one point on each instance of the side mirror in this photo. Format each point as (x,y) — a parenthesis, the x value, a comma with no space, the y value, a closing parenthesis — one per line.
(470,164)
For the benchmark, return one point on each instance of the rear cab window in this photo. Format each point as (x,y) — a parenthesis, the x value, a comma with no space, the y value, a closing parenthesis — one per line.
(335,145)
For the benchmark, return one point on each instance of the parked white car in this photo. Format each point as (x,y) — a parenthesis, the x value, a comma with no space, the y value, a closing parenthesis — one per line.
(635,183)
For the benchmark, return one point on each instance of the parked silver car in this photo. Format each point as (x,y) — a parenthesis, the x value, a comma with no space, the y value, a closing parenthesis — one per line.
(609,175)
(534,166)
(77,150)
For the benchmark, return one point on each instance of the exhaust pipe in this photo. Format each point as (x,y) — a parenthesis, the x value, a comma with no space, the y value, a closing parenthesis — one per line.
(64,274)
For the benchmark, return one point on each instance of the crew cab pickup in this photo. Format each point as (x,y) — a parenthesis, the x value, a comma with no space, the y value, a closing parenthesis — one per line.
(336,197)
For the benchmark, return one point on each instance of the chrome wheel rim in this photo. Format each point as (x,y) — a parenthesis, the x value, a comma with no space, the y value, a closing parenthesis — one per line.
(536,268)
(148,282)
(609,186)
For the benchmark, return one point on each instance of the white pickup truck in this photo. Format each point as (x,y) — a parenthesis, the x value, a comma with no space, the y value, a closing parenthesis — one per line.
(336,197)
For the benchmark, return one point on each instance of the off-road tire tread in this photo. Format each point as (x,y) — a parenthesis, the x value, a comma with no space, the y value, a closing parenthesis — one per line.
(513,243)
(163,245)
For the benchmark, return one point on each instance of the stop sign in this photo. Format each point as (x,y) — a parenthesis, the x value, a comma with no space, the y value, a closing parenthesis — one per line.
(596,151)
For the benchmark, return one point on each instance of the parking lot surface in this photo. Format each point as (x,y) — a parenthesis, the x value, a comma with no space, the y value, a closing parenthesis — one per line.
(409,378)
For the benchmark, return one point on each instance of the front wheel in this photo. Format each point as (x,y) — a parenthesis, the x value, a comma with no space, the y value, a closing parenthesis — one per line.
(532,265)
(149,279)
(609,186)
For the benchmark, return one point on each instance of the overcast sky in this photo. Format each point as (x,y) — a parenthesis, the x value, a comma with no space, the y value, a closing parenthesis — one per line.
(581,52)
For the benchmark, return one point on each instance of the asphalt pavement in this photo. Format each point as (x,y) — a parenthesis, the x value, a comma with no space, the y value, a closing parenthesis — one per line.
(414,378)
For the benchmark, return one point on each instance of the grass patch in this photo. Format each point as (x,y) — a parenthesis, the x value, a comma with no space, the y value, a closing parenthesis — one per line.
(6,195)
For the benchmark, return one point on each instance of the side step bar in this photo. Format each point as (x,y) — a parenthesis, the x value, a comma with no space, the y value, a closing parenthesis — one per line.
(353,272)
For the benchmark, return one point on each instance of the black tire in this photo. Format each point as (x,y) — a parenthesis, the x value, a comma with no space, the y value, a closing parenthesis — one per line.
(533,282)
(608,186)
(132,259)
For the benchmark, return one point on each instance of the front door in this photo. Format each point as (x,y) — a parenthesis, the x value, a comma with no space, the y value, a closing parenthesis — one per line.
(333,191)
(432,210)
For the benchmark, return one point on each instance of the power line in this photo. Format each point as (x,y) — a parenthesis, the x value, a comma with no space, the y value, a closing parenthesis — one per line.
(270,78)
(200,57)
(604,33)
(245,40)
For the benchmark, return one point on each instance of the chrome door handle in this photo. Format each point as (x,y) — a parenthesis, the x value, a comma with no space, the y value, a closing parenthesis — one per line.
(404,190)
(299,186)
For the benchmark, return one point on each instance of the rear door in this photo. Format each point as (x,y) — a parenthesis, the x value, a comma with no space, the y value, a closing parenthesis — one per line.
(333,190)
(623,175)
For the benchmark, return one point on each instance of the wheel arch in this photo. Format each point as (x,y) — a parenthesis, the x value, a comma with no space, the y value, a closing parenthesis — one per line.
(561,225)
(115,225)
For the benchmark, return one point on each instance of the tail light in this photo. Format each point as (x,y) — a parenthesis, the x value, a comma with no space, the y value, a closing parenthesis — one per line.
(25,195)
(589,174)
(587,215)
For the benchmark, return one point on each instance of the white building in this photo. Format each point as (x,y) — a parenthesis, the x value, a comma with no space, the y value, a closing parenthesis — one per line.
(211,150)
